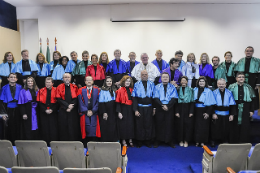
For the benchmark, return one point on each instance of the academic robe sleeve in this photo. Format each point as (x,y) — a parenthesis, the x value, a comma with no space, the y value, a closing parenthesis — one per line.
(209,110)
(102,107)
(252,105)
(158,101)
(63,103)
(258,79)
(172,102)
(232,110)
(82,108)
(135,103)
(192,105)
(22,108)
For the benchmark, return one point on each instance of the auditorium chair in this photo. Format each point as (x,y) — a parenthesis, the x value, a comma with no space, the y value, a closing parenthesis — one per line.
(3,170)
(33,153)
(8,158)
(227,155)
(230,170)
(68,154)
(254,159)
(49,169)
(87,170)
(107,154)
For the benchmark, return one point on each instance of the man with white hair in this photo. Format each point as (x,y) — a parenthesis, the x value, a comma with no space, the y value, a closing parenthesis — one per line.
(152,70)
(225,110)
(68,118)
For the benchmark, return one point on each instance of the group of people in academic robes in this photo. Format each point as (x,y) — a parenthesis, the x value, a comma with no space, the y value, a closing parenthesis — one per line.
(134,102)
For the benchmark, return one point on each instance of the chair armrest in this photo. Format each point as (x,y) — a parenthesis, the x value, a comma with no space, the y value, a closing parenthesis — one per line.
(230,170)
(208,151)
(124,151)
(119,170)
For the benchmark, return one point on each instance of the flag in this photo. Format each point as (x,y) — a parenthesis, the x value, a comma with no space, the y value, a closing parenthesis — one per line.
(48,55)
(40,45)
(55,44)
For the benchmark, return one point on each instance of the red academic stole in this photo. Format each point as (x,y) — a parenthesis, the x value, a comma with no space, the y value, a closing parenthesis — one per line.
(122,97)
(82,118)
(61,91)
(42,95)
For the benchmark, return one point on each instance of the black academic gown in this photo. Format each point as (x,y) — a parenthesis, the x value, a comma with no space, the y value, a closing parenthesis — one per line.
(240,133)
(184,124)
(231,79)
(13,124)
(26,67)
(108,128)
(164,121)
(125,106)
(26,108)
(220,128)
(253,80)
(144,124)
(68,122)
(48,125)
(202,126)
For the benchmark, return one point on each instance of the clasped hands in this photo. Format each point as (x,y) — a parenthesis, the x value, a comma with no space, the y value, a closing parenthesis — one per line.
(70,107)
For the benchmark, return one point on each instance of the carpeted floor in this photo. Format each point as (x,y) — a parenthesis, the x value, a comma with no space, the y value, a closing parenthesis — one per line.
(163,159)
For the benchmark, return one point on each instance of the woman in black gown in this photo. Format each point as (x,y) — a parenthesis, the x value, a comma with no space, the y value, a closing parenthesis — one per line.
(124,107)
(107,111)
(184,112)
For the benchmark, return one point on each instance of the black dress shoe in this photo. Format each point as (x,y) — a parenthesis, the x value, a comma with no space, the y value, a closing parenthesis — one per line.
(139,144)
(148,144)
(212,144)
(156,144)
(172,145)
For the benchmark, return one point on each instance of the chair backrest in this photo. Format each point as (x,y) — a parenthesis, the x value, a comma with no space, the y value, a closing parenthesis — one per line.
(105,154)
(48,169)
(33,153)
(231,155)
(3,170)
(87,170)
(7,156)
(254,159)
(68,154)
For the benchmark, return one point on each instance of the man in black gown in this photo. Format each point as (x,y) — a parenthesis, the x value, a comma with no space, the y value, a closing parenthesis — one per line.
(68,118)
(142,106)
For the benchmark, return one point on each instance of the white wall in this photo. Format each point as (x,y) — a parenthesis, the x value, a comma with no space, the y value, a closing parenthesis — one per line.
(211,28)
(30,36)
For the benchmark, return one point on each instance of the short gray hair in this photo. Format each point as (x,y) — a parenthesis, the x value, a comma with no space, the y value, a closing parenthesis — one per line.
(65,74)
(49,78)
(117,50)
(144,54)
(224,80)
(73,52)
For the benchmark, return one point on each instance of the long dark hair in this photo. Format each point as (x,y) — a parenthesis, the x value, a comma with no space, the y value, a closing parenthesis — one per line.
(107,88)
(205,79)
